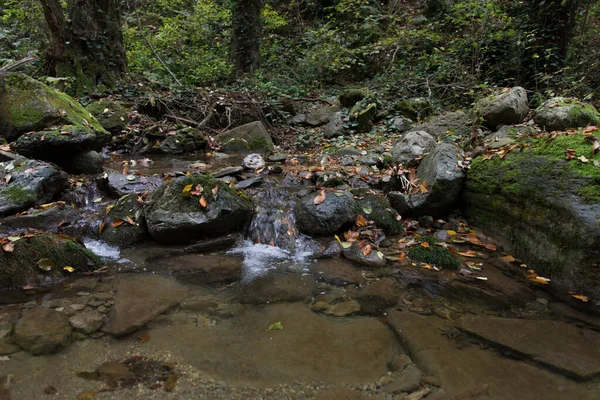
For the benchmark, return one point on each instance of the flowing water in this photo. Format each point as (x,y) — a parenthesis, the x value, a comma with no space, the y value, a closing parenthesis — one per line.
(271,319)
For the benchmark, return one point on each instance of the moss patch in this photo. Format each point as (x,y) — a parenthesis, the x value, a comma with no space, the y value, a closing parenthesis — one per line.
(16,194)
(434,255)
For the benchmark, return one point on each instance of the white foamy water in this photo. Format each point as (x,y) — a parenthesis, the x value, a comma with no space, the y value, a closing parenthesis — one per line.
(262,258)
(103,249)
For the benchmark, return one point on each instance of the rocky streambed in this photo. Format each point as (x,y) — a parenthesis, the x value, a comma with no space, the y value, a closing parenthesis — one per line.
(192,272)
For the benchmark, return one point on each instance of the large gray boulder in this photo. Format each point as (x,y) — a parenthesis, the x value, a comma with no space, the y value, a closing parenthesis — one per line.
(455,123)
(506,108)
(562,113)
(336,211)
(47,220)
(29,183)
(249,138)
(175,215)
(335,127)
(543,209)
(28,105)
(117,185)
(42,331)
(321,115)
(409,150)
(444,180)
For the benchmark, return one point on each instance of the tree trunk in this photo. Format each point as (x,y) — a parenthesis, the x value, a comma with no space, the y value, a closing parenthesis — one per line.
(247,33)
(88,45)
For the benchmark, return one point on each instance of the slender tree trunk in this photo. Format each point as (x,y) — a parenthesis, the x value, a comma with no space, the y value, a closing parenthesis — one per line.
(247,33)
(88,45)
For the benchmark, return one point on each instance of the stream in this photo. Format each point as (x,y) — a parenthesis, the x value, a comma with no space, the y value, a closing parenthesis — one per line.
(271,318)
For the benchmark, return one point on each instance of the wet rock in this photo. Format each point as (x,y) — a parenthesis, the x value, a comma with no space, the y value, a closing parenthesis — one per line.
(42,219)
(351,96)
(409,150)
(28,105)
(228,171)
(507,108)
(321,115)
(335,127)
(561,113)
(174,217)
(111,115)
(278,288)
(374,259)
(40,259)
(253,162)
(415,109)
(363,114)
(379,296)
(185,141)
(400,362)
(30,183)
(60,145)
(407,382)
(117,185)
(205,268)
(139,300)
(42,331)
(214,244)
(564,347)
(87,322)
(336,272)
(376,208)
(118,229)
(87,162)
(248,183)
(334,249)
(337,309)
(444,179)
(336,211)
(252,137)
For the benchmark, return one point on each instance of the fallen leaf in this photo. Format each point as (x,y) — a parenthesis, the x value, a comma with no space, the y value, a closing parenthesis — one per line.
(367,250)
(117,222)
(45,264)
(171,382)
(215,192)
(130,221)
(131,178)
(583,159)
(87,395)
(320,198)
(425,244)
(368,210)
(198,191)
(468,253)
(187,190)
(7,178)
(8,247)
(144,337)
(509,258)
(361,221)
(276,326)
(203,202)
(102,227)
(581,297)
(346,245)
(69,269)
(380,255)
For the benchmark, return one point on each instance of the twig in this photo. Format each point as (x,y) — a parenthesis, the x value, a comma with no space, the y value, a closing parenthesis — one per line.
(17,64)
(161,61)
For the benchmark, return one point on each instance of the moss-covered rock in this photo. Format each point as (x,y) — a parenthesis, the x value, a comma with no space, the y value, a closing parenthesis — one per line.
(118,229)
(376,208)
(352,96)
(562,113)
(543,208)
(185,141)
(28,183)
(175,215)
(252,137)
(60,145)
(28,105)
(321,115)
(40,260)
(506,108)
(111,115)
(415,109)
(363,113)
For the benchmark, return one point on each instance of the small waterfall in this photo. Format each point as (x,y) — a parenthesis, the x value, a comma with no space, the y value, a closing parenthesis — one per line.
(273,241)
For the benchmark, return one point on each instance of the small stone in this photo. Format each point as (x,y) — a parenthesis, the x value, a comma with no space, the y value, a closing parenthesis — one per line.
(253,162)
(42,331)
(103,296)
(77,307)
(87,322)
(29,305)
(95,303)
(82,294)
(59,309)
(399,362)
(408,382)
(432,380)
(102,309)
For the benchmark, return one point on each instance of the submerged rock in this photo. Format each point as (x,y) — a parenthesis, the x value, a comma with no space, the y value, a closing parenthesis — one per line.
(42,331)
(29,183)
(507,108)
(543,208)
(562,113)
(47,220)
(87,322)
(328,217)
(379,296)
(28,105)
(174,215)
(252,137)
(409,150)
(41,259)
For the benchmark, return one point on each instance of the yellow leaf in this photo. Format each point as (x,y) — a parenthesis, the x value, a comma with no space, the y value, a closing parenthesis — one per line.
(451,232)
(8,247)
(187,190)
(361,221)
(581,297)
(425,244)
(69,269)
(130,221)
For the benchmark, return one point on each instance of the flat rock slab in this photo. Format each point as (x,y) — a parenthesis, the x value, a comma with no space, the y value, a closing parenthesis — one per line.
(558,345)
(140,299)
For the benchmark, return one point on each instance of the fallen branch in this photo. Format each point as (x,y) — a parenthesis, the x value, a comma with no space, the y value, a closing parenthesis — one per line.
(17,64)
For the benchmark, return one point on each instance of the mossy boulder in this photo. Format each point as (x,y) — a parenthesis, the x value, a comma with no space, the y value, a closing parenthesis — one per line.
(125,224)
(60,145)
(363,113)
(506,108)
(185,141)
(175,215)
(249,138)
(543,208)
(28,105)
(338,210)
(28,183)
(111,115)
(415,109)
(434,255)
(376,208)
(562,113)
(352,96)
(40,260)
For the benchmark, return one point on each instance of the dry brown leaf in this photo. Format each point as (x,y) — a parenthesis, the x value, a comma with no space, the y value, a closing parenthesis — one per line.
(320,198)
(8,247)
(198,191)
(425,244)
(508,258)
(130,221)
(102,227)
(581,297)
(203,202)
(361,221)
(117,222)
(366,250)
(144,337)
(468,253)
